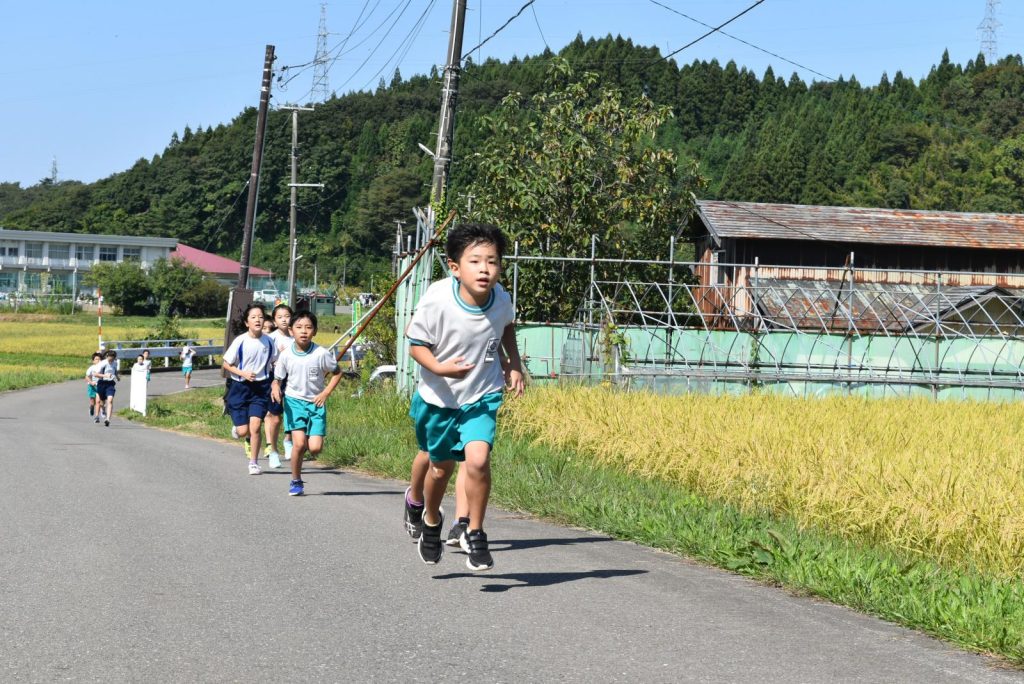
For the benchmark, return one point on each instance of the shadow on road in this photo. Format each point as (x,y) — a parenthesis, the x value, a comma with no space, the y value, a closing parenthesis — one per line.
(517,544)
(360,493)
(540,579)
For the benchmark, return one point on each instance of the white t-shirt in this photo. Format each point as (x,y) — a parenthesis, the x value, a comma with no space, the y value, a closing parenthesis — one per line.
(107,371)
(94,372)
(186,355)
(452,328)
(306,371)
(248,353)
(281,340)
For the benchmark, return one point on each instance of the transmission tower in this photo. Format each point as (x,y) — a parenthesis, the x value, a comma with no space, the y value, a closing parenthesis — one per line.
(53,171)
(319,92)
(988,27)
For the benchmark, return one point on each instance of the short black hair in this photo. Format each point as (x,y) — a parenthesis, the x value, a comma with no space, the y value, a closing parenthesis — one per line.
(304,314)
(111,352)
(240,325)
(291,312)
(468,234)
(97,355)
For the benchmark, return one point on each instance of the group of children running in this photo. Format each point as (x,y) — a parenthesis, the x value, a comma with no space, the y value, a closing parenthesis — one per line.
(462,335)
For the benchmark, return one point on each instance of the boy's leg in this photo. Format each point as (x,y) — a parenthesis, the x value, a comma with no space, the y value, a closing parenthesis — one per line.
(110,408)
(314,445)
(461,521)
(255,436)
(478,482)
(420,466)
(430,546)
(299,444)
(272,428)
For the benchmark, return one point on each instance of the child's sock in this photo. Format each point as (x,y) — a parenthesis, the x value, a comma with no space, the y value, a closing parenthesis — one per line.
(464,521)
(414,504)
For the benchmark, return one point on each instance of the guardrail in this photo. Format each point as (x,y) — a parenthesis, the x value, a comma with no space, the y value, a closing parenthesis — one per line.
(165,349)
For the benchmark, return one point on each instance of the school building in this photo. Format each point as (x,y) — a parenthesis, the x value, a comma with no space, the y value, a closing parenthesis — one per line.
(41,262)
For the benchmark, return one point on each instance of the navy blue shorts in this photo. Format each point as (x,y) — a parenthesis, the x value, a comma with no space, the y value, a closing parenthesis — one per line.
(247,400)
(274,408)
(106,388)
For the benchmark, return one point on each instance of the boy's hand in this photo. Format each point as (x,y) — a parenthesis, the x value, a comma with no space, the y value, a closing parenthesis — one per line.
(456,368)
(247,374)
(514,382)
(321,398)
(275,393)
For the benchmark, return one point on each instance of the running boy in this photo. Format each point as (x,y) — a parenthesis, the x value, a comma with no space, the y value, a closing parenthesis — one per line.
(306,366)
(92,376)
(186,356)
(106,385)
(148,363)
(279,335)
(457,334)
(249,360)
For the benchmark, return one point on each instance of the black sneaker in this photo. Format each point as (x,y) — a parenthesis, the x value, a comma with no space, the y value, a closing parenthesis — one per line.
(413,517)
(458,529)
(430,546)
(479,556)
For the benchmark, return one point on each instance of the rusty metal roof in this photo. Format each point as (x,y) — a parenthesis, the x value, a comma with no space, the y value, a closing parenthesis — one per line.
(757,220)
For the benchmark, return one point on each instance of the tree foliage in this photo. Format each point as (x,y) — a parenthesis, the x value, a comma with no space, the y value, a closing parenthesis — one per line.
(125,285)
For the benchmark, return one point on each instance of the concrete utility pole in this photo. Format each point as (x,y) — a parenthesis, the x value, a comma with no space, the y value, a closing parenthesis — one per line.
(295,185)
(241,296)
(449,95)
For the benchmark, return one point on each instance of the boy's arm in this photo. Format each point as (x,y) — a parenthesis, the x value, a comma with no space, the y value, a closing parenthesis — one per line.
(321,398)
(514,374)
(454,368)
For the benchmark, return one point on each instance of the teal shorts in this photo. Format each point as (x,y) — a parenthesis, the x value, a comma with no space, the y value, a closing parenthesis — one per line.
(305,416)
(185,370)
(444,432)
(90,390)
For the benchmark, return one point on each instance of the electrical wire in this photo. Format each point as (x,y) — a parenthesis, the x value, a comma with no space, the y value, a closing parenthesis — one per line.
(405,44)
(713,30)
(499,30)
(539,29)
(729,35)
(380,42)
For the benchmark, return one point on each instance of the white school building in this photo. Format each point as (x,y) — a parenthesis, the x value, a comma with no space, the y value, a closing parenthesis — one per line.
(43,262)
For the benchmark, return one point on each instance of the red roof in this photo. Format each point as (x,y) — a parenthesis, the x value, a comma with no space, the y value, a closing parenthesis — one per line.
(211,263)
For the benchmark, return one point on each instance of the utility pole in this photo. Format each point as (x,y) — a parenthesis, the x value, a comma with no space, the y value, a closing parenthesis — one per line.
(449,95)
(295,185)
(241,295)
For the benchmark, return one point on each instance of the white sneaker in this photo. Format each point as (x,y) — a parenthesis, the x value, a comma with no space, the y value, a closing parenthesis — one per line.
(254,468)
(234,432)
(287,449)
(274,459)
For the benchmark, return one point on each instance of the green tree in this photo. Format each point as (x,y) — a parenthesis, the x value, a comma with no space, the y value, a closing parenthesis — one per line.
(124,285)
(578,160)
(170,280)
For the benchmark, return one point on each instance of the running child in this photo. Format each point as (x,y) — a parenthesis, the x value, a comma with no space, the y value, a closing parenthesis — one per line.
(92,376)
(106,385)
(457,334)
(268,326)
(186,356)
(281,317)
(148,363)
(306,366)
(249,360)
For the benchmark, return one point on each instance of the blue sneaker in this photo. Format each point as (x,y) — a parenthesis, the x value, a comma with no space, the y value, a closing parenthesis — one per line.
(296,488)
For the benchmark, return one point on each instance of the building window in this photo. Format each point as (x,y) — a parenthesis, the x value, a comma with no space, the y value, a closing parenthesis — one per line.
(59,251)
(34,250)
(108,253)
(8,250)
(61,283)
(84,252)
(8,281)
(132,253)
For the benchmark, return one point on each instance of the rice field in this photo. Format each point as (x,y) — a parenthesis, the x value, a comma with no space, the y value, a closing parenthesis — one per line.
(941,479)
(64,336)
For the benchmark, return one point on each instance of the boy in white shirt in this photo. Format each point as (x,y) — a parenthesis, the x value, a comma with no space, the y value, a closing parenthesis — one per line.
(457,334)
(92,376)
(306,366)
(187,355)
(106,382)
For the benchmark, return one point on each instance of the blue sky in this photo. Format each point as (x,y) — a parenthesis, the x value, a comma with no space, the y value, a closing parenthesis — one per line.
(100,84)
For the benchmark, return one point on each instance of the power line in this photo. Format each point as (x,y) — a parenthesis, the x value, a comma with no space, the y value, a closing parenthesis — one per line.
(713,30)
(499,30)
(539,29)
(729,35)
(406,43)
(381,41)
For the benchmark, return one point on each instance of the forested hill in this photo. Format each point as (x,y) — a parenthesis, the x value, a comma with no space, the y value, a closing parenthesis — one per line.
(954,140)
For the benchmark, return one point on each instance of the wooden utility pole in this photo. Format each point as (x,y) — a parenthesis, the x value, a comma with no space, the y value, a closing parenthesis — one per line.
(241,296)
(293,214)
(254,175)
(449,95)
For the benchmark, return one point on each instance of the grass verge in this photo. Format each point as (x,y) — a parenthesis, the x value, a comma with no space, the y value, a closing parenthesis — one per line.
(974,610)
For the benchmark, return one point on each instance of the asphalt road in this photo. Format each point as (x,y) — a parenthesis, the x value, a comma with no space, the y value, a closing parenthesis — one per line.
(134,554)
